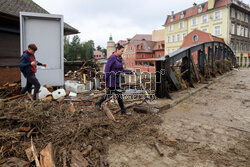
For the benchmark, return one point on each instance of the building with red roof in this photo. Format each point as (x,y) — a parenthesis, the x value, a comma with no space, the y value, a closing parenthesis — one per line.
(226,19)
(141,52)
(197,36)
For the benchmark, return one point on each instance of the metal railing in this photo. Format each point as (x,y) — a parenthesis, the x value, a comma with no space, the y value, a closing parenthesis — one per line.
(199,61)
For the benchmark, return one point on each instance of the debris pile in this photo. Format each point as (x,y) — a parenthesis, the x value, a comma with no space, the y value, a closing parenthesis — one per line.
(65,131)
(87,72)
(10,89)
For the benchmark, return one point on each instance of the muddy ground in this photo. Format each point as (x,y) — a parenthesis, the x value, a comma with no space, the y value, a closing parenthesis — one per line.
(210,129)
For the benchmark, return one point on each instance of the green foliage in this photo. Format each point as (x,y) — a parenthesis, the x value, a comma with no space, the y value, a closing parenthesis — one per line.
(75,50)
(103,50)
(99,48)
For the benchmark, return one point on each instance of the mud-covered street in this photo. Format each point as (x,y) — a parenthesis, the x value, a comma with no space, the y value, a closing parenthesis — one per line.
(211,128)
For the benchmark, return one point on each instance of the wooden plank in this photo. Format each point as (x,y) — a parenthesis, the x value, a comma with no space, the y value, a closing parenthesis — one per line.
(72,108)
(13,98)
(15,162)
(29,96)
(158,149)
(87,151)
(108,112)
(35,154)
(174,79)
(29,154)
(194,68)
(128,106)
(47,156)
(49,87)
(77,160)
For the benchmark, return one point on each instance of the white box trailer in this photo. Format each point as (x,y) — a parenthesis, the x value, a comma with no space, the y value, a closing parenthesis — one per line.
(46,31)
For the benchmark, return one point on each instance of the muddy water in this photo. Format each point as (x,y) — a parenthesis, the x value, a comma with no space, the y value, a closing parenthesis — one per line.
(211,128)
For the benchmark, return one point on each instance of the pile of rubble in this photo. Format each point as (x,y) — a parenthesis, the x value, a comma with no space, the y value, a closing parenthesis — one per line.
(87,74)
(63,130)
(10,89)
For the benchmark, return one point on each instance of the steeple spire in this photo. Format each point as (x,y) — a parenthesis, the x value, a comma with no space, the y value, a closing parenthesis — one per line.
(110,37)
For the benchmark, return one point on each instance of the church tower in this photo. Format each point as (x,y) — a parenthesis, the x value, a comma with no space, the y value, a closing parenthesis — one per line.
(110,47)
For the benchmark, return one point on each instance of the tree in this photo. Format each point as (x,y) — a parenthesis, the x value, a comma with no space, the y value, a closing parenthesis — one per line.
(99,48)
(66,48)
(76,50)
(104,51)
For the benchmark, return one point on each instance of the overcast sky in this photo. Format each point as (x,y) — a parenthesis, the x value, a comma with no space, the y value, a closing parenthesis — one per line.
(97,19)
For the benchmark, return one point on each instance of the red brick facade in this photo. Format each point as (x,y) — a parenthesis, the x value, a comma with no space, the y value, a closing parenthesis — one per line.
(142,54)
(9,75)
(197,36)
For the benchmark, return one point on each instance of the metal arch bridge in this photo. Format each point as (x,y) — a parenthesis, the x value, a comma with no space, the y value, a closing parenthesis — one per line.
(212,57)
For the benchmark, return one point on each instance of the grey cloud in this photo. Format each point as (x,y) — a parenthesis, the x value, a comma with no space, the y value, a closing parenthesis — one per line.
(96,19)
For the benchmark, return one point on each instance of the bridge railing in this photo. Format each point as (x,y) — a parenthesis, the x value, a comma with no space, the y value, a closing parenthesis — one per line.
(195,63)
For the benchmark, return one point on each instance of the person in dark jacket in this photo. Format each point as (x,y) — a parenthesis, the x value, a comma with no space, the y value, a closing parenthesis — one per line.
(111,77)
(28,65)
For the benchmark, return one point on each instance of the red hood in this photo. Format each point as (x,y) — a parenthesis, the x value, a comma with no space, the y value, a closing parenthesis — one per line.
(26,51)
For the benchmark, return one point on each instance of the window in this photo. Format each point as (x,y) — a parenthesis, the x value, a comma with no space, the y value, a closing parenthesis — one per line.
(238,29)
(232,13)
(204,30)
(143,56)
(181,24)
(141,47)
(182,15)
(217,30)
(173,38)
(242,16)
(172,18)
(168,39)
(246,18)
(200,9)
(232,45)
(246,32)
(232,29)
(135,62)
(195,38)
(152,56)
(217,15)
(194,21)
(238,15)
(171,28)
(183,35)
(178,37)
(159,54)
(204,19)
(159,46)
(242,31)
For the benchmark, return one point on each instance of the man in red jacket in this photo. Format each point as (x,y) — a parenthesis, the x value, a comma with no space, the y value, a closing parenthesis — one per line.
(28,65)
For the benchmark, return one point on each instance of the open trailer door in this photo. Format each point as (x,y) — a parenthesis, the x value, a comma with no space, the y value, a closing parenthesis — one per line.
(46,31)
